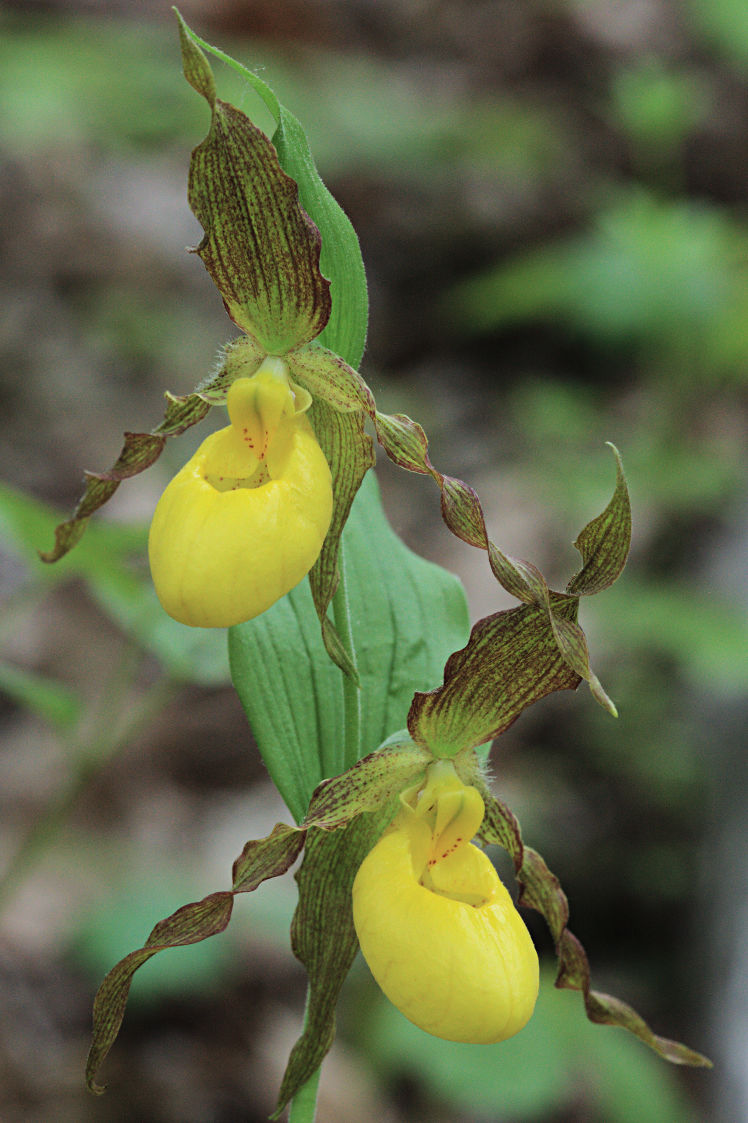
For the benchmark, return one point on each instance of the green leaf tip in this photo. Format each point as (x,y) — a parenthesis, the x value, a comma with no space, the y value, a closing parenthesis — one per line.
(197,69)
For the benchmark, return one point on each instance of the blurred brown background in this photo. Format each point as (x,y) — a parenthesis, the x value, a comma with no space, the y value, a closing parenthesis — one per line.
(550,199)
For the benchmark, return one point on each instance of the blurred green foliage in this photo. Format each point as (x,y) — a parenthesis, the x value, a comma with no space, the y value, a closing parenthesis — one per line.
(111,560)
(658,106)
(667,277)
(724,25)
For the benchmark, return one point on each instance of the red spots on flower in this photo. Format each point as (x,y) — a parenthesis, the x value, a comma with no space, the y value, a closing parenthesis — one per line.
(445,853)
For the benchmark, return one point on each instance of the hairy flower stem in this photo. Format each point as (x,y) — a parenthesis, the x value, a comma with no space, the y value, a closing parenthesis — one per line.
(304,1104)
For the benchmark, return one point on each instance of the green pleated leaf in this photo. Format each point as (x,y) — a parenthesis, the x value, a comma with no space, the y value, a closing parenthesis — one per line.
(260,248)
(341,258)
(409,614)
(289,690)
(541,890)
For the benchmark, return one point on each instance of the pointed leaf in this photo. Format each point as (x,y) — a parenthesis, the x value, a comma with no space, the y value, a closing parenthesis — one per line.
(260,247)
(341,260)
(541,890)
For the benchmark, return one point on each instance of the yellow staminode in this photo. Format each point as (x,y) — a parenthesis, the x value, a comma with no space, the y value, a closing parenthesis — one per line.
(436,926)
(244,520)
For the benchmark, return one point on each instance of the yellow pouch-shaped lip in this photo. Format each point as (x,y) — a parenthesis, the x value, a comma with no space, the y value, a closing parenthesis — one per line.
(234,531)
(442,937)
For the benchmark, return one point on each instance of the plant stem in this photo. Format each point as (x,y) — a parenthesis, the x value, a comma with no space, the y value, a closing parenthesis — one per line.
(341,612)
(304,1104)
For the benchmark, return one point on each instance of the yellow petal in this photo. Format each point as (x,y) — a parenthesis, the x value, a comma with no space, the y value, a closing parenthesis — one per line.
(232,532)
(442,936)
(257,405)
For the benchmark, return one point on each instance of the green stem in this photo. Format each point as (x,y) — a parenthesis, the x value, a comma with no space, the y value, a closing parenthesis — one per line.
(341,612)
(304,1104)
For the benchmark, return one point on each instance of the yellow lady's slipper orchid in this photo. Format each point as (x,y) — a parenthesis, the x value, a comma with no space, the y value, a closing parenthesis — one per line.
(244,521)
(436,926)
